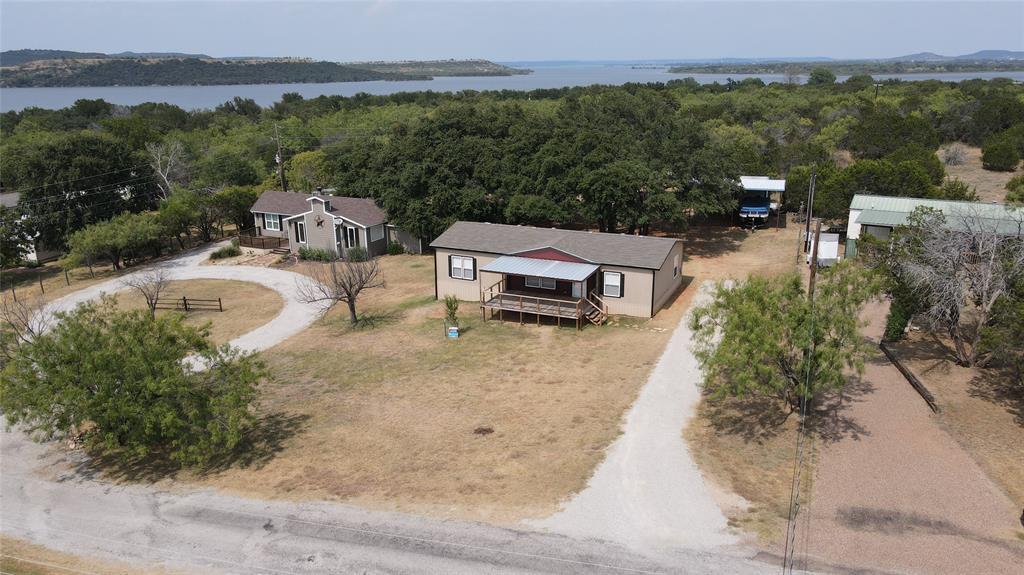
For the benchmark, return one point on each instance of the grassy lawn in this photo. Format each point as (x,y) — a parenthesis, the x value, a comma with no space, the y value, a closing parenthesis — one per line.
(980,408)
(18,557)
(500,424)
(991,185)
(246,305)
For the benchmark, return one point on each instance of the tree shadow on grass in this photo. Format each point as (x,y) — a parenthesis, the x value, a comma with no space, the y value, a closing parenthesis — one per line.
(759,419)
(997,385)
(258,447)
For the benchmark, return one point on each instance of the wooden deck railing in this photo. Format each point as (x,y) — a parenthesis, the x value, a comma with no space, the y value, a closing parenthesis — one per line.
(250,238)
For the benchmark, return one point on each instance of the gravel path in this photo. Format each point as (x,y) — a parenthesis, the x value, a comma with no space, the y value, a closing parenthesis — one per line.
(895,492)
(648,493)
(294,316)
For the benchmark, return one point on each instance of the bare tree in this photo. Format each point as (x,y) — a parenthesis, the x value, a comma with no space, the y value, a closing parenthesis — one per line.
(960,267)
(20,322)
(150,284)
(340,280)
(167,159)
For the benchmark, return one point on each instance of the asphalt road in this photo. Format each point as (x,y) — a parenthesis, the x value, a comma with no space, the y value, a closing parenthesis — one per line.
(207,531)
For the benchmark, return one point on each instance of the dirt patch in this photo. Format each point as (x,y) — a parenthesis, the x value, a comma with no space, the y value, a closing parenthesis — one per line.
(246,305)
(990,185)
(19,557)
(981,409)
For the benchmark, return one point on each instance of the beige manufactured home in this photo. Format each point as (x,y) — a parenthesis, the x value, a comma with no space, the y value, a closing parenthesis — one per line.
(562,274)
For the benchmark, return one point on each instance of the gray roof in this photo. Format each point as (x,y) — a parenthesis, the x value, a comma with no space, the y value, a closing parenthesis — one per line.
(610,249)
(363,211)
(569,271)
(9,199)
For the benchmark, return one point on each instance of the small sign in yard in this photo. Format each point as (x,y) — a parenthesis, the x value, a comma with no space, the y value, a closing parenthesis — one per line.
(453,331)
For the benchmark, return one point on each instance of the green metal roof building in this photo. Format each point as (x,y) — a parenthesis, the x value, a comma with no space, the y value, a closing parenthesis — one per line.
(878,215)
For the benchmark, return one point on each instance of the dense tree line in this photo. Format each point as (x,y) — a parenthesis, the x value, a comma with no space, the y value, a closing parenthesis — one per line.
(192,72)
(614,158)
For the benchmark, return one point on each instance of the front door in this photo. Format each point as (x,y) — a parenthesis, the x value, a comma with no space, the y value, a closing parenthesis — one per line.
(577,289)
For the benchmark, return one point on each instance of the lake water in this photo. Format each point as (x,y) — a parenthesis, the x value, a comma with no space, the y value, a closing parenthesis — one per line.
(544,76)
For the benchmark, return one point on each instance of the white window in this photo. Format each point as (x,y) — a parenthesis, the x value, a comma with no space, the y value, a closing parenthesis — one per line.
(300,232)
(272,222)
(463,267)
(536,282)
(350,238)
(377,233)
(612,284)
(675,266)
(337,234)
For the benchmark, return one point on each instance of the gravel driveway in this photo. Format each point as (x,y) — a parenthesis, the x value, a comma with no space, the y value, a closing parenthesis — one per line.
(648,493)
(294,316)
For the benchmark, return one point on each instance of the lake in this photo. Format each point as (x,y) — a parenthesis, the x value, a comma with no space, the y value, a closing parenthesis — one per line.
(544,76)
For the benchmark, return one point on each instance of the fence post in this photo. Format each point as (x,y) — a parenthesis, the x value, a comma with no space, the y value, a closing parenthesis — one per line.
(14,293)
(40,278)
(220,304)
(184,301)
(67,280)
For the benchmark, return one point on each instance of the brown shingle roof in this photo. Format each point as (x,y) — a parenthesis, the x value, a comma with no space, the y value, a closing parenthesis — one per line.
(609,249)
(363,211)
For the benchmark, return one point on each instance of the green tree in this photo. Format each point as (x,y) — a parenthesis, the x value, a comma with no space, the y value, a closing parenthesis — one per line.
(764,337)
(123,379)
(309,170)
(1015,190)
(233,204)
(1000,154)
(15,237)
(532,210)
(1004,336)
(821,76)
(927,159)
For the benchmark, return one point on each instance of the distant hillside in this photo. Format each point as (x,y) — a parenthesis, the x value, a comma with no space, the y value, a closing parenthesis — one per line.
(189,72)
(63,68)
(919,63)
(994,55)
(19,57)
(443,68)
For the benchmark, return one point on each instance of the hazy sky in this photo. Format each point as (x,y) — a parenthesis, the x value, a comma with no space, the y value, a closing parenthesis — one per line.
(388,30)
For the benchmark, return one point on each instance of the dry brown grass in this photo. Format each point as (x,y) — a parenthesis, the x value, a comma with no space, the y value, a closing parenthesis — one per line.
(981,409)
(247,305)
(393,406)
(990,185)
(18,557)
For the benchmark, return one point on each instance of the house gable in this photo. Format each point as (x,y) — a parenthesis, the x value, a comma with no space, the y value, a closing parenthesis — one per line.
(550,253)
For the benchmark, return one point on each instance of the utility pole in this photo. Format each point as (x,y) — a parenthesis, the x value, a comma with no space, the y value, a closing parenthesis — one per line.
(280,160)
(801,438)
(810,208)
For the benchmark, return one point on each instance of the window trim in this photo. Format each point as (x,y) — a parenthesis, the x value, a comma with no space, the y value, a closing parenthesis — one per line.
(462,268)
(540,283)
(351,239)
(604,283)
(300,232)
(276,221)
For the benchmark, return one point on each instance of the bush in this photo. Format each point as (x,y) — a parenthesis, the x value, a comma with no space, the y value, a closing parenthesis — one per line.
(900,313)
(316,255)
(356,254)
(1000,154)
(1015,190)
(396,248)
(957,189)
(954,155)
(451,309)
(226,252)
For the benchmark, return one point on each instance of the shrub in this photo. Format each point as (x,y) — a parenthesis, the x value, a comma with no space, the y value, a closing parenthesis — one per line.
(226,252)
(356,254)
(900,312)
(316,254)
(957,189)
(954,155)
(451,309)
(395,248)
(1000,154)
(1015,190)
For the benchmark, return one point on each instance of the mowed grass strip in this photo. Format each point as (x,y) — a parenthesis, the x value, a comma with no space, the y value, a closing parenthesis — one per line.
(501,424)
(247,305)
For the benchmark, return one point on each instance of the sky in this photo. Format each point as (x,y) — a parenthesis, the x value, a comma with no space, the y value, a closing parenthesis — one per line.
(516,31)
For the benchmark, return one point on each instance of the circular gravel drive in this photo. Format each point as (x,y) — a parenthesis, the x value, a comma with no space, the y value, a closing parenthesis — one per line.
(294,317)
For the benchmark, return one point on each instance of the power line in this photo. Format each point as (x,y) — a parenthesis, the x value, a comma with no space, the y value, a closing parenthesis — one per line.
(112,186)
(77,179)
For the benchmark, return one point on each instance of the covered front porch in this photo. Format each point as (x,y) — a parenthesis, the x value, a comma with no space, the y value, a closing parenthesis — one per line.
(541,288)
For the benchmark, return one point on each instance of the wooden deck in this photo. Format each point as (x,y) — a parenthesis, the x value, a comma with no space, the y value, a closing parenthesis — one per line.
(565,307)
